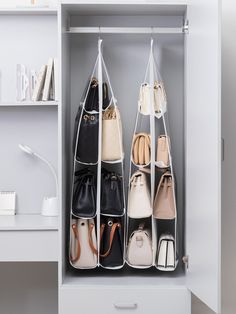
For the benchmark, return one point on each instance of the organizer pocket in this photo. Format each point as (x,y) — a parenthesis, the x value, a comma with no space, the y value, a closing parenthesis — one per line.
(111,242)
(83,244)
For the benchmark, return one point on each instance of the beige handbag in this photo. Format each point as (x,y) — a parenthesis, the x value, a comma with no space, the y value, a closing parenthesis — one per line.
(144,102)
(141,149)
(162,158)
(112,144)
(159,99)
(139,250)
(164,203)
(139,199)
(83,244)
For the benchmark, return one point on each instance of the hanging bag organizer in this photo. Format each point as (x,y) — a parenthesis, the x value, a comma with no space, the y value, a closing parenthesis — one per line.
(103,126)
(152,102)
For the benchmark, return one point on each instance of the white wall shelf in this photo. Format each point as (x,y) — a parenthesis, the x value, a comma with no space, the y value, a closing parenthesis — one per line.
(28,222)
(29,11)
(29,104)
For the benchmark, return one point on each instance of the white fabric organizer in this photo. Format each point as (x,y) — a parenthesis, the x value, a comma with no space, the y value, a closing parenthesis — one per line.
(154,76)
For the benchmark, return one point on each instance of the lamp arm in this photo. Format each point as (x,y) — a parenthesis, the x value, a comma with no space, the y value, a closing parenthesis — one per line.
(50,167)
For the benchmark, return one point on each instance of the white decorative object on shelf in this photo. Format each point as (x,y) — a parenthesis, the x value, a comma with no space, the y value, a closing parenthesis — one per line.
(22,82)
(32,82)
(50,204)
(7,203)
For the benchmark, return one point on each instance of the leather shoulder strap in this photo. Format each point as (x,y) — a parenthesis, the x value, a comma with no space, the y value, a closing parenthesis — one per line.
(112,234)
(78,253)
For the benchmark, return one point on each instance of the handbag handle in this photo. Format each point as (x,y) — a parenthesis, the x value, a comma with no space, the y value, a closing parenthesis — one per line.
(76,234)
(75,231)
(113,230)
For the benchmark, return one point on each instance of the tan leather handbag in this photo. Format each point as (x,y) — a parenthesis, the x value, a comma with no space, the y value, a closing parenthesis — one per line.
(83,244)
(141,149)
(139,250)
(164,204)
(112,144)
(139,199)
(144,102)
(162,158)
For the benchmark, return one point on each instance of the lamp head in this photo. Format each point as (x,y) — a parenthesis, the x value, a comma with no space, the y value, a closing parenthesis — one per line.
(26,149)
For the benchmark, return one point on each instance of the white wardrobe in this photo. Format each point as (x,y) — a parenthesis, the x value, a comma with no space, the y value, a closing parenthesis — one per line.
(186,38)
(189,61)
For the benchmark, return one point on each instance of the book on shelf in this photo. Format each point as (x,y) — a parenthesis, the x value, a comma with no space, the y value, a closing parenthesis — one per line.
(37,94)
(47,82)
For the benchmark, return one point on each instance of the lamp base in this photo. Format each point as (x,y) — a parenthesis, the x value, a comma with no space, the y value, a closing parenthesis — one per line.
(50,206)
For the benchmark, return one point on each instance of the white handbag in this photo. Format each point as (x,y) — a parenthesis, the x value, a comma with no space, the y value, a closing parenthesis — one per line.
(139,251)
(166,253)
(83,244)
(144,102)
(112,144)
(139,199)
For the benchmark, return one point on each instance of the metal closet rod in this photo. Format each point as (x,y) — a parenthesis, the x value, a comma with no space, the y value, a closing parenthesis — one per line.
(128,30)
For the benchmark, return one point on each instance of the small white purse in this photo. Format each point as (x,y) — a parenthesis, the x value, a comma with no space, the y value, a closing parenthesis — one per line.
(166,253)
(83,244)
(112,142)
(139,250)
(139,199)
(160,102)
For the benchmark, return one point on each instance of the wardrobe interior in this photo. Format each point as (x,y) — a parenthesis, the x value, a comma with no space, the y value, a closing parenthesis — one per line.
(126,57)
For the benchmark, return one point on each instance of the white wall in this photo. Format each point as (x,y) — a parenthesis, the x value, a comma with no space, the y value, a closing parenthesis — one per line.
(9,3)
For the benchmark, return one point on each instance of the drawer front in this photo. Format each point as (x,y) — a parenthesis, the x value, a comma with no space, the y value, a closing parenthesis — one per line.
(29,245)
(114,300)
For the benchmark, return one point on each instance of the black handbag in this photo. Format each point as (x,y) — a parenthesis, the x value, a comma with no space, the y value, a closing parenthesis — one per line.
(111,243)
(87,145)
(112,198)
(84,194)
(92,100)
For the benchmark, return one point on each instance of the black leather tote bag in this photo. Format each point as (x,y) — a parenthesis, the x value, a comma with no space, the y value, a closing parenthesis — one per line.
(111,243)
(84,194)
(92,100)
(112,198)
(87,145)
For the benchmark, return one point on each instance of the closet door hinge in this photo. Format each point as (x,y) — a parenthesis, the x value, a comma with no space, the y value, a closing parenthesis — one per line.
(222,149)
(186,27)
(185,260)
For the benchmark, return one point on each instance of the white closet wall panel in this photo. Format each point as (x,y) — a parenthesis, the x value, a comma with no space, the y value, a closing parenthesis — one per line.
(203,164)
(35,43)
(28,176)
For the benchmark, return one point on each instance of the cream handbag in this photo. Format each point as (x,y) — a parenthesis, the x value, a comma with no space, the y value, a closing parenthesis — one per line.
(164,203)
(112,144)
(166,253)
(141,149)
(139,250)
(139,199)
(144,102)
(162,158)
(83,244)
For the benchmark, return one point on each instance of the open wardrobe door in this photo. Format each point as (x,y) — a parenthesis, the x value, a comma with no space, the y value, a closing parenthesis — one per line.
(203,152)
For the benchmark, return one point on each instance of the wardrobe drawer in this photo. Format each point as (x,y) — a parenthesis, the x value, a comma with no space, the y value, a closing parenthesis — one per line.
(29,245)
(113,300)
